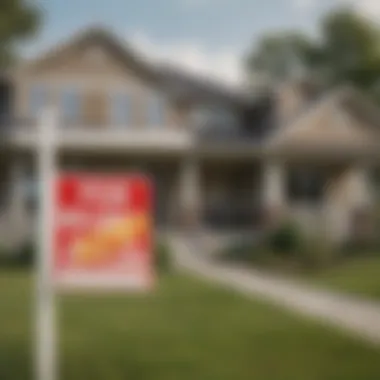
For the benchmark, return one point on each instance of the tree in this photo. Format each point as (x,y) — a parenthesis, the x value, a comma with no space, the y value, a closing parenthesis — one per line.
(19,19)
(347,51)
(279,56)
(350,46)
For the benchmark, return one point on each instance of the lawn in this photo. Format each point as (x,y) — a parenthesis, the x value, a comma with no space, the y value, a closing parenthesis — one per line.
(359,276)
(185,330)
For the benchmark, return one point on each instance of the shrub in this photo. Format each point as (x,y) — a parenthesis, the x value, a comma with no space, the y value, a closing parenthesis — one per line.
(4,256)
(286,239)
(26,255)
(163,257)
(21,257)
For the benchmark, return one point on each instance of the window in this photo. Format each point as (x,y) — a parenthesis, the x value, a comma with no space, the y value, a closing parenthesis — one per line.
(200,117)
(306,185)
(120,112)
(214,120)
(70,105)
(37,100)
(225,116)
(156,111)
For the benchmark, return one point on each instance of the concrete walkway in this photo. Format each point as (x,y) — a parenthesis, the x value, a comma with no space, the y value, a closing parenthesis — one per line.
(356,316)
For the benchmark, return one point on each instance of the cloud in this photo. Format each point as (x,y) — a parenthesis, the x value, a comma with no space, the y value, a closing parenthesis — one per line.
(221,64)
(368,8)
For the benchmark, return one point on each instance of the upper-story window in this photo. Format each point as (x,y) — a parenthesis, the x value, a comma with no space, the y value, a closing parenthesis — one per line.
(210,118)
(71,105)
(120,109)
(37,99)
(156,111)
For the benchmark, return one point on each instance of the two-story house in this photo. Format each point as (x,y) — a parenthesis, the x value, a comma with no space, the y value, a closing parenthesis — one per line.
(219,158)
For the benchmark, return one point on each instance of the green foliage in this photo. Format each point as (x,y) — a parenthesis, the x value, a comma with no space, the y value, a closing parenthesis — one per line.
(350,48)
(26,255)
(21,257)
(4,256)
(347,52)
(163,257)
(278,55)
(19,19)
(286,239)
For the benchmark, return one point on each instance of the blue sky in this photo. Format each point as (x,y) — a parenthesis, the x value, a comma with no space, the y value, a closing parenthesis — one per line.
(208,36)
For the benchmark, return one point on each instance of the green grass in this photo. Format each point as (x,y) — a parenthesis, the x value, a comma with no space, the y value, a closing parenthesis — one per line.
(185,330)
(359,276)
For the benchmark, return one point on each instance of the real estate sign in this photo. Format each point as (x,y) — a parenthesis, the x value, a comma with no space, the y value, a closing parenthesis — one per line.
(103,232)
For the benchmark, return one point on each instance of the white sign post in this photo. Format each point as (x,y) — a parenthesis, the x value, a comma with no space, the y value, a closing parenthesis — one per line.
(45,314)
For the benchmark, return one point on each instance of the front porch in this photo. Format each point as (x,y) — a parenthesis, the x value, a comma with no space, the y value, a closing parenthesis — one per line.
(188,192)
(216,194)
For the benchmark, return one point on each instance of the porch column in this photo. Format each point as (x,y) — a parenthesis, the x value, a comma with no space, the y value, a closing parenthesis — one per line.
(273,191)
(189,193)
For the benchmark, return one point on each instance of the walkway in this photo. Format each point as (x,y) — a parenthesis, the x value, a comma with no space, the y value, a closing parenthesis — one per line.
(359,317)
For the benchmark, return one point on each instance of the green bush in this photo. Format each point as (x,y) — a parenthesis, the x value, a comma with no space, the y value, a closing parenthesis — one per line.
(4,257)
(21,257)
(163,257)
(26,255)
(286,239)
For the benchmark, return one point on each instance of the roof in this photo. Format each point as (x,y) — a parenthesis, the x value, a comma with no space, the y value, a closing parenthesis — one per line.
(174,80)
(317,115)
(182,83)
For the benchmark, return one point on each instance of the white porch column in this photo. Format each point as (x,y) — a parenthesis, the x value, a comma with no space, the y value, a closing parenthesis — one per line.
(274,189)
(189,192)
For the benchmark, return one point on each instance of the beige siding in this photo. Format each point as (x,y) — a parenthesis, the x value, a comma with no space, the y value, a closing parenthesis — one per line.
(95,71)
(327,125)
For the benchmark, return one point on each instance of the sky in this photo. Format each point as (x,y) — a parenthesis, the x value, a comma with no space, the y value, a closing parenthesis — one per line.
(207,37)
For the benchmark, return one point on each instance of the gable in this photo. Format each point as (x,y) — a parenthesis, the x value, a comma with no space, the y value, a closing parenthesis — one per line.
(93,59)
(328,123)
(93,54)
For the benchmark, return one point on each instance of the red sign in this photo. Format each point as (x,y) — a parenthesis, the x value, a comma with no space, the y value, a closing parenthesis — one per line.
(103,232)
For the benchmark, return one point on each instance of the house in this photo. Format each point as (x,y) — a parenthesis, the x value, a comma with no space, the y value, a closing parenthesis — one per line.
(220,158)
